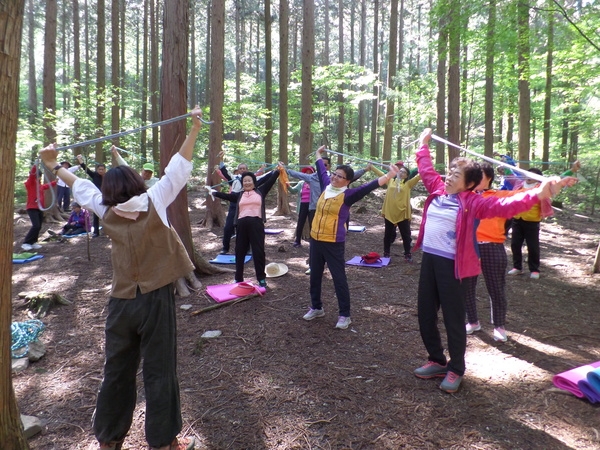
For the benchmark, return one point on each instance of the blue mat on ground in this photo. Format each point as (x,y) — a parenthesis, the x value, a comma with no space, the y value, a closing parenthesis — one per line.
(69,236)
(273,231)
(21,260)
(357,228)
(357,261)
(228,259)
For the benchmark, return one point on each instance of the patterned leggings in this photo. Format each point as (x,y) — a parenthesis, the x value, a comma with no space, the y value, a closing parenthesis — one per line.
(493,267)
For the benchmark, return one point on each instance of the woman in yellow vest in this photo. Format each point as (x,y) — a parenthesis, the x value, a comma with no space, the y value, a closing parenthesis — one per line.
(396,210)
(328,234)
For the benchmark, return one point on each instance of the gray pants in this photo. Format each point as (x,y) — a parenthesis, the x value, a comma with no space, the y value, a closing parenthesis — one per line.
(143,327)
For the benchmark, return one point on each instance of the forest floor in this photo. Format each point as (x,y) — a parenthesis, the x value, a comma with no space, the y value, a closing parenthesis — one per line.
(275,381)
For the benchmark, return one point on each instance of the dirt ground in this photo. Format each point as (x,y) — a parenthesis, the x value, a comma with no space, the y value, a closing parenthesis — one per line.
(275,381)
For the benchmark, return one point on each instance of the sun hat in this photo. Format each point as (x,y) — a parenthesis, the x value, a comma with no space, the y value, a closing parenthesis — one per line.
(244,288)
(275,270)
(307,170)
(65,162)
(148,166)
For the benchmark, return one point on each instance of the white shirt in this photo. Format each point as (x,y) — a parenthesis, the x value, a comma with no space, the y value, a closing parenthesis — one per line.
(162,194)
(71,169)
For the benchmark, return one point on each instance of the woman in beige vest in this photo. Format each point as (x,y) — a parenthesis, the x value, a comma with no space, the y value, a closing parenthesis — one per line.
(147,257)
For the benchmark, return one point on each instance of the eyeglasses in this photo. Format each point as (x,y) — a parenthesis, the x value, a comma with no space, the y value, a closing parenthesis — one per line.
(338,176)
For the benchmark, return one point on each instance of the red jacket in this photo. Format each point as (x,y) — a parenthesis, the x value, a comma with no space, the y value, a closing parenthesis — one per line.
(471,207)
(31,185)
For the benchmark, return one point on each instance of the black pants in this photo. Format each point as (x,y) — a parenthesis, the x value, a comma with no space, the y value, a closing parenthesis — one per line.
(72,230)
(302,218)
(250,234)
(37,217)
(63,197)
(331,253)
(529,232)
(229,229)
(143,327)
(96,225)
(389,236)
(439,288)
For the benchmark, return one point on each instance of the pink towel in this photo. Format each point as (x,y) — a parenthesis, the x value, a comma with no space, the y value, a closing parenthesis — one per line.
(220,292)
(568,380)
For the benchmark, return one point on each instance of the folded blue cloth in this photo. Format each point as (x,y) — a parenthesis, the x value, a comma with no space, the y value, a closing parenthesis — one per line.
(593,378)
(586,388)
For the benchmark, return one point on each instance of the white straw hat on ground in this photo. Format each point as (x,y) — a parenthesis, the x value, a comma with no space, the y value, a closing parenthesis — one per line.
(275,270)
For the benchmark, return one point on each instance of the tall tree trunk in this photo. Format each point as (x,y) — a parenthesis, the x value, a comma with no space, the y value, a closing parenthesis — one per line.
(49,95)
(76,71)
(86,21)
(214,211)
(31,76)
(100,78)
(268,85)
(375,103)
(524,94)
(548,90)
(362,62)
(399,67)
(308,60)
(454,77)
(11,25)
(115,63)
(489,80)
(64,56)
(173,102)
(283,205)
(193,85)
(341,117)
(238,72)
(389,104)
(122,52)
(154,71)
(442,49)
(144,106)
(208,55)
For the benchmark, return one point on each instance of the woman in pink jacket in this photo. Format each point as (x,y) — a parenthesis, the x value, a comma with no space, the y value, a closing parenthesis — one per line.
(447,236)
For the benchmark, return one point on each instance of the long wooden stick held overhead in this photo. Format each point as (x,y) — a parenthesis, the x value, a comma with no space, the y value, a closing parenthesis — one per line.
(125,133)
(531,175)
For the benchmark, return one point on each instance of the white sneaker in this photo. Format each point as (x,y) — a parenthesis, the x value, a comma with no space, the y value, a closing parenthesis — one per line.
(308,271)
(471,327)
(535,275)
(514,271)
(36,246)
(500,334)
(343,322)
(27,247)
(313,314)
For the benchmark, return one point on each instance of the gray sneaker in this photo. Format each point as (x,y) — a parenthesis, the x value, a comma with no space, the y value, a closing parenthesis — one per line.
(343,322)
(431,370)
(451,383)
(313,314)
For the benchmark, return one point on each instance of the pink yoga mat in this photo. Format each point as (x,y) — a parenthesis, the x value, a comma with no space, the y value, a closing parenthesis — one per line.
(357,261)
(568,380)
(220,292)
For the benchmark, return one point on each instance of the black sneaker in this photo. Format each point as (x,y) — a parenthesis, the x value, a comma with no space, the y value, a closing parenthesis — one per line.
(262,283)
(408,259)
(223,252)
